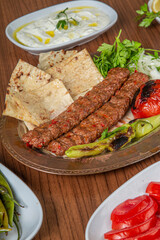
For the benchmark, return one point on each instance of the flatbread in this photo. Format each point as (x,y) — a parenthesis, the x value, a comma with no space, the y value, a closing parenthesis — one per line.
(26,77)
(40,105)
(49,59)
(78,73)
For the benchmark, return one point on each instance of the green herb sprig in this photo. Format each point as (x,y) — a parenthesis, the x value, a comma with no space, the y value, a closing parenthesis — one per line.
(66,22)
(146,16)
(120,54)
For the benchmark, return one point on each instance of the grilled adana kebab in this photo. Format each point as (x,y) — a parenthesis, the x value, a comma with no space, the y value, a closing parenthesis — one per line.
(105,117)
(78,110)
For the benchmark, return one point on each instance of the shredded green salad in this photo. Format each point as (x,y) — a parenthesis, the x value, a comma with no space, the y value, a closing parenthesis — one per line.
(128,54)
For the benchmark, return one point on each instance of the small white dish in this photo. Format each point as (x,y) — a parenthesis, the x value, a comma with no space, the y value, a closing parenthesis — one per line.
(150,9)
(100,222)
(46,11)
(31,215)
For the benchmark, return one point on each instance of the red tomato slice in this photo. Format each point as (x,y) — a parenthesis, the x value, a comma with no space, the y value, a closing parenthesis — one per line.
(131,231)
(153,189)
(138,218)
(129,208)
(158,212)
(152,234)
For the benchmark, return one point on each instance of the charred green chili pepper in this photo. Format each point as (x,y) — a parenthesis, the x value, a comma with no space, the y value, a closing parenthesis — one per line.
(3,219)
(116,139)
(110,143)
(17,224)
(7,199)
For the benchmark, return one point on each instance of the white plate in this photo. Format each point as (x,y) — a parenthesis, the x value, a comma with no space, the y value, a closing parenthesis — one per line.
(100,222)
(46,11)
(31,215)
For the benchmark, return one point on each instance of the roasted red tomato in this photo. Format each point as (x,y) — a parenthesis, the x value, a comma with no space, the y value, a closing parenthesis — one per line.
(153,189)
(146,102)
(129,208)
(131,231)
(152,234)
(139,217)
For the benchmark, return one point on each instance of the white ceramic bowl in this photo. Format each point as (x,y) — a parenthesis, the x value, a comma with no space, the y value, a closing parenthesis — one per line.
(150,9)
(46,11)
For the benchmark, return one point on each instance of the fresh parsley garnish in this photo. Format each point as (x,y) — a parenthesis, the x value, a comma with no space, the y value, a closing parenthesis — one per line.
(120,54)
(146,16)
(62,24)
(62,13)
(66,22)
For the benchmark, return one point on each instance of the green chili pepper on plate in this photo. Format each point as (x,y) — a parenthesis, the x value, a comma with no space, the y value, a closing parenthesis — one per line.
(110,143)
(7,199)
(116,139)
(3,219)
(8,213)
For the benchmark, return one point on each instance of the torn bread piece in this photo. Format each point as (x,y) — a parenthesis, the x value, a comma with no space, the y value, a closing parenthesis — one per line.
(49,59)
(78,73)
(40,105)
(26,77)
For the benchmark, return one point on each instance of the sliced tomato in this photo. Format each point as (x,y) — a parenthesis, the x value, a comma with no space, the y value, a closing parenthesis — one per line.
(152,234)
(131,231)
(138,218)
(153,189)
(158,212)
(129,208)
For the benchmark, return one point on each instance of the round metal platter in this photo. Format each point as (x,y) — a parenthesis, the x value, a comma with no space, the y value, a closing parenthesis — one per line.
(40,161)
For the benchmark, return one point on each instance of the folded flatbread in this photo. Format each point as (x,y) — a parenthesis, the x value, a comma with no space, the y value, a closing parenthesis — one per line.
(49,59)
(78,73)
(26,77)
(40,105)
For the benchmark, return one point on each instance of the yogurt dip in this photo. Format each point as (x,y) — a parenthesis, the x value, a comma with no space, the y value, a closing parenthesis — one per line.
(44,32)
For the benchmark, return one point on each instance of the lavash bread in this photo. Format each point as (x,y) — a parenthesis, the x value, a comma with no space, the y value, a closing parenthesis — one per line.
(36,96)
(78,73)
(26,77)
(40,105)
(33,96)
(49,59)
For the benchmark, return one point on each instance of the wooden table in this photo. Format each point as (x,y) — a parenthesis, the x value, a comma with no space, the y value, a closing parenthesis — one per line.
(69,201)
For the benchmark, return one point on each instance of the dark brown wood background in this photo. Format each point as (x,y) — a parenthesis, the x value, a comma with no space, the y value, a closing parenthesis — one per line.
(69,201)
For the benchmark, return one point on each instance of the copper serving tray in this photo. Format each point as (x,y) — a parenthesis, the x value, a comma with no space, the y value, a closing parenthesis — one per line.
(40,161)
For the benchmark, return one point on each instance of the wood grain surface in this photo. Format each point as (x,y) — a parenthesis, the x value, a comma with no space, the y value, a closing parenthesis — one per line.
(69,201)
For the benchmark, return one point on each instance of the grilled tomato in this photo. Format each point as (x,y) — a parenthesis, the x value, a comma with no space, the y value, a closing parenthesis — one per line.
(146,102)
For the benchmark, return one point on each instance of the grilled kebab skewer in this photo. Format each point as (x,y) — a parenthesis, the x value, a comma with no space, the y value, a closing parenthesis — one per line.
(105,117)
(78,110)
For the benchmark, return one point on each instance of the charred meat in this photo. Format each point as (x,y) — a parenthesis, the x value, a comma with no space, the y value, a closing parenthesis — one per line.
(78,110)
(105,117)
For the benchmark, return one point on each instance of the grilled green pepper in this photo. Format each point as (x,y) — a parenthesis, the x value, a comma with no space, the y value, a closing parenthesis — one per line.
(116,139)
(3,219)
(110,143)
(7,199)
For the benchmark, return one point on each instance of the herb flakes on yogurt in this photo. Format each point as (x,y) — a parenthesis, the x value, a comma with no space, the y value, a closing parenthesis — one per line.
(61,27)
